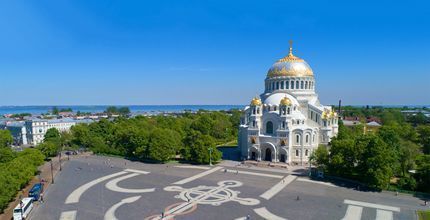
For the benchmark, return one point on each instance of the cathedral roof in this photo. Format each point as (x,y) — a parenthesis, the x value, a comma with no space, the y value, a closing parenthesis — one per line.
(290,65)
(276,98)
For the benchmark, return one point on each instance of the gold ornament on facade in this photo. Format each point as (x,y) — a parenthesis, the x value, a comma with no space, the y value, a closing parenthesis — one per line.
(285,101)
(283,142)
(256,101)
(253,140)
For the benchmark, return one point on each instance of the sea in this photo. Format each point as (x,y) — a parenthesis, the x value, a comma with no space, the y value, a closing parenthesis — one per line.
(37,110)
(41,109)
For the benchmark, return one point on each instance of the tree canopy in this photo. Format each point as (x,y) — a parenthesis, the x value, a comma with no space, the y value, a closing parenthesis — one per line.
(161,138)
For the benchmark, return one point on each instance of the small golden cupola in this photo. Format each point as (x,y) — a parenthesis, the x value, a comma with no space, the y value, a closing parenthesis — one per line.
(285,101)
(256,101)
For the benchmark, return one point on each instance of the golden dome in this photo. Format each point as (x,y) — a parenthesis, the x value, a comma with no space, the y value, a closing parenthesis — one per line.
(256,101)
(290,65)
(285,101)
(325,114)
(333,114)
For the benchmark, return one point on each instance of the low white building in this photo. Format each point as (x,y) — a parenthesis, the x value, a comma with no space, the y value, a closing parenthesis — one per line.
(37,128)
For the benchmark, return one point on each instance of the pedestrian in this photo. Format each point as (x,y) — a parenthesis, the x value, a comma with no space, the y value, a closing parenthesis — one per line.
(237,172)
(397,193)
(41,198)
(162,214)
(248,217)
(298,198)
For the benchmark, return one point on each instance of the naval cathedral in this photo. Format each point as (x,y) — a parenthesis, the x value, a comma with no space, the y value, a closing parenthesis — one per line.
(287,122)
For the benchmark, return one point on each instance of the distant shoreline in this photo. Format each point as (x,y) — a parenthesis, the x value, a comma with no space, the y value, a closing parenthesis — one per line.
(39,109)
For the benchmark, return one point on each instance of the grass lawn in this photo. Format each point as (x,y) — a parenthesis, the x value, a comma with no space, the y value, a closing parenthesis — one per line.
(423,215)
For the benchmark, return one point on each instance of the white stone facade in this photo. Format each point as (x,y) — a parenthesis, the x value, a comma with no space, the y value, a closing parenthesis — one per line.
(36,129)
(287,122)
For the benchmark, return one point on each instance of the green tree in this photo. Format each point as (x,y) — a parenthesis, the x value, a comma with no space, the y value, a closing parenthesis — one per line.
(320,156)
(52,135)
(423,173)
(163,144)
(407,155)
(6,138)
(49,149)
(343,157)
(81,135)
(6,154)
(424,137)
(197,147)
(55,110)
(375,163)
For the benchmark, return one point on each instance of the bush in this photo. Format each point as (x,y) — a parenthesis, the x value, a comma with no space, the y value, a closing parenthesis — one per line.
(407,183)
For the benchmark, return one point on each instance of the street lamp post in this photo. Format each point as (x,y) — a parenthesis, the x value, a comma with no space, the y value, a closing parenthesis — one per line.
(210,156)
(52,173)
(59,160)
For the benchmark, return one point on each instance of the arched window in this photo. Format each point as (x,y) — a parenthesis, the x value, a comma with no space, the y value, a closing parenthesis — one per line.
(297,153)
(269,127)
(297,85)
(313,138)
(306,152)
(282,84)
(287,85)
(277,85)
(306,85)
(283,124)
(301,85)
(292,84)
(274,108)
(307,138)
(258,110)
(297,139)
(288,110)
(273,85)
(253,124)
(253,111)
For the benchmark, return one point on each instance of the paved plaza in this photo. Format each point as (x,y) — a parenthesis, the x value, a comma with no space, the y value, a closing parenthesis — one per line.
(97,187)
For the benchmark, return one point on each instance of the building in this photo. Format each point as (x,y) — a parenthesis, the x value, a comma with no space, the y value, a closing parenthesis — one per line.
(414,112)
(286,122)
(17,130)
(36,128)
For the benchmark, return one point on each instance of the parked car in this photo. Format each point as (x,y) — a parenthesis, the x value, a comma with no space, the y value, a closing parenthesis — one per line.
(35,191)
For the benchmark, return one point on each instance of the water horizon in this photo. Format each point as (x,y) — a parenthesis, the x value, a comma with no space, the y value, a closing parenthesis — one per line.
(40,109)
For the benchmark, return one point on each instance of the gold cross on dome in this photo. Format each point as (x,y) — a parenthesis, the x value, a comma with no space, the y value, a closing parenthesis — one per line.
(291,47)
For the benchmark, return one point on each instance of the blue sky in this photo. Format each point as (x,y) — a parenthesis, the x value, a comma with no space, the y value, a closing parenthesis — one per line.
(209,52)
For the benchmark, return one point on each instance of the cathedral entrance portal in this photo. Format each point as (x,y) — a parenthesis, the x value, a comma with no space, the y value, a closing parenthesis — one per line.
(253,156)
(283,158)
(268,155)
